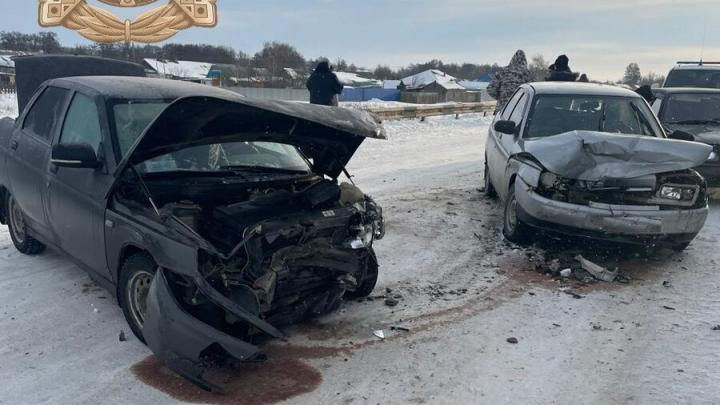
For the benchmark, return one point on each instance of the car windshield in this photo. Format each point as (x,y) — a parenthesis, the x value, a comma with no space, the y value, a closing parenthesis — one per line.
(700,78)
(256,157)
(557,114)
(130,118)
(692,109)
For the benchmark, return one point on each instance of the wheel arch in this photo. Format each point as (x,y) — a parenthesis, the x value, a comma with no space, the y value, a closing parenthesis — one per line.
(126,252)
(3,203)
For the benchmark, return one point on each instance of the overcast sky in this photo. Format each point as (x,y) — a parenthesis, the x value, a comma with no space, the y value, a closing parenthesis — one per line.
(600,38)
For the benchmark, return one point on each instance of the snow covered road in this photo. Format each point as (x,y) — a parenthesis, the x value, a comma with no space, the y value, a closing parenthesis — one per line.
(463,294)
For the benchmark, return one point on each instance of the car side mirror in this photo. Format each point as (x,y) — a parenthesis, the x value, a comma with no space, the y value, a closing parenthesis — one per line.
(681,136)
(75,155)
(506,127)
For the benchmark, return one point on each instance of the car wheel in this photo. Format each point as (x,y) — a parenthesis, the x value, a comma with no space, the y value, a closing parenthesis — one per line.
(136,276)
(23,242)
(513,228)
(489,189)
(367,285)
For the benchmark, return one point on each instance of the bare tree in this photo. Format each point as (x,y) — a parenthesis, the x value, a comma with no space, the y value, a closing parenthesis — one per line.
(538,68)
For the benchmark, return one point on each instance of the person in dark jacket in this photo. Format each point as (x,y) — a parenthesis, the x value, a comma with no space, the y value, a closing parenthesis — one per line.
(560,71)
(646,93)
(324,86)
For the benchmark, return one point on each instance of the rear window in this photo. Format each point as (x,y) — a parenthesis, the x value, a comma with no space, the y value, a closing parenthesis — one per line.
(557,114)
(692,109)
(700,78)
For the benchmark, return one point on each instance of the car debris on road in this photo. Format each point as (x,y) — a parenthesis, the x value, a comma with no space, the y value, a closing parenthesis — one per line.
(597,271)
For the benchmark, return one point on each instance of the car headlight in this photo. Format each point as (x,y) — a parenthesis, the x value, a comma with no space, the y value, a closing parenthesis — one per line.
(714,157)
(677,193)
(364,239)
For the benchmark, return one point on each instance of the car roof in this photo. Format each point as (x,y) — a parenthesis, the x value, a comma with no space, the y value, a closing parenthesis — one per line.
(686,90)
(696,66)
(140,88)
(578,88)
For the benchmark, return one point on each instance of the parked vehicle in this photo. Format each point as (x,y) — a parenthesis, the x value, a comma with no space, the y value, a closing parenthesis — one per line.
(695,115)
(593,161)
(214,218)
(694,74)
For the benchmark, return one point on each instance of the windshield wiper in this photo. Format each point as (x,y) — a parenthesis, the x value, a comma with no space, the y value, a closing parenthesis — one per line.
(696,122)
(262,169)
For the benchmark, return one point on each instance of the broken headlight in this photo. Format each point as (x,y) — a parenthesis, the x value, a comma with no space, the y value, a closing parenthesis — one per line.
(678,193)
(365,237)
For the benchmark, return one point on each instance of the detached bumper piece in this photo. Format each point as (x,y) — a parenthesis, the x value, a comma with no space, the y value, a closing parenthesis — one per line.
(181,340)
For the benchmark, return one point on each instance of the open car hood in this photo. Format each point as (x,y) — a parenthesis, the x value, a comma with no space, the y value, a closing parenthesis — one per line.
(327,135)
(593,156)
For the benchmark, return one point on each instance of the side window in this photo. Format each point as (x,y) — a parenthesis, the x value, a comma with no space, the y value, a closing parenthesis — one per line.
(82,124)
(46,113)
(517,114)
(511,105)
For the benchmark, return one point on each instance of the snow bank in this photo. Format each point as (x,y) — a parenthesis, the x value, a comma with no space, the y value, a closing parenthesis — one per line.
(8,105)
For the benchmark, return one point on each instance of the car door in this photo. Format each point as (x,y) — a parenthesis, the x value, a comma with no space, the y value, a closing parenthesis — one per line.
(75,197)
(492,148)
(503,143)
(29,155)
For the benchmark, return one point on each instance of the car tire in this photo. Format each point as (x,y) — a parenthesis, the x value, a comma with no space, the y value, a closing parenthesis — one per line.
(136,276)
(17,226)
(513,228)
(367,285)
(489,188)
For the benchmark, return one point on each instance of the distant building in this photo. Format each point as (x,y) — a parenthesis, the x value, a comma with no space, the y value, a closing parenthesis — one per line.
(354,80)
(391,84)
(198,72)
(441,84)
(7,73)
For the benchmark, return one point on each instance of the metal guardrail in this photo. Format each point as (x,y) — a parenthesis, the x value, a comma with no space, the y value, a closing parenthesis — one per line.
(410,112)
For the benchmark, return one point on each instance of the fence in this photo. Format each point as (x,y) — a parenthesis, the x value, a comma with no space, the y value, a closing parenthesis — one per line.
(408,112)
(414,97)
(370,94)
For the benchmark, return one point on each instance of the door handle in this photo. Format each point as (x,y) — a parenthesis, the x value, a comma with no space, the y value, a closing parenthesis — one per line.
(54,168)
(14,144)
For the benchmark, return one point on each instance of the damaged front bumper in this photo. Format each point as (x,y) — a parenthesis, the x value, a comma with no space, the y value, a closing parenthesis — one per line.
(181,340)
(622,223)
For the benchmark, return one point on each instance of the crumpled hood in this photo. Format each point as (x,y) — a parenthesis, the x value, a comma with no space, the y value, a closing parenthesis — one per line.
(329,136)
(593,156)
(709,134)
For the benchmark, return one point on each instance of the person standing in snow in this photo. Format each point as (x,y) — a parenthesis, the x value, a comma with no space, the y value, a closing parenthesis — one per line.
(560,71)
(324,86)
(507,80)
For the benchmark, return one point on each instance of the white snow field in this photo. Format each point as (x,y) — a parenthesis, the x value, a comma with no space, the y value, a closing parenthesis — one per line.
(463,293)
(8,105)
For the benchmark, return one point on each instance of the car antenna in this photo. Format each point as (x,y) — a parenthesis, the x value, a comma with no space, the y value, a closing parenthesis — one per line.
(702,49)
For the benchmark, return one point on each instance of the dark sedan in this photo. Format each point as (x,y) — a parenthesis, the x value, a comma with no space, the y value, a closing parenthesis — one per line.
(694,113)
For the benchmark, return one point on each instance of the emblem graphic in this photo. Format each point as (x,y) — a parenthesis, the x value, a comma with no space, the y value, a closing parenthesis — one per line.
(152,26)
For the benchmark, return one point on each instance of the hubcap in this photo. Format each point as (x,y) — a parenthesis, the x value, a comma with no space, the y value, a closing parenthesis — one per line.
(17,220)
(138,288)
(511,218)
